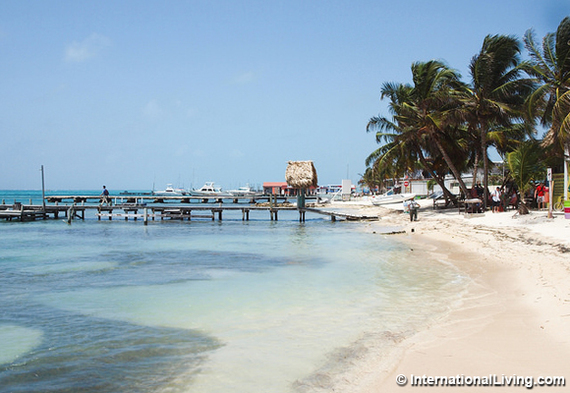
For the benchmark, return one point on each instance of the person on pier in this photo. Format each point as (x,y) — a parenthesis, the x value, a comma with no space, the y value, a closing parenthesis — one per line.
(105,196)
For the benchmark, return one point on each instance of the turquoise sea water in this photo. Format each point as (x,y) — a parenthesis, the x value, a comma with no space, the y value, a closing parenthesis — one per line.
(202,306)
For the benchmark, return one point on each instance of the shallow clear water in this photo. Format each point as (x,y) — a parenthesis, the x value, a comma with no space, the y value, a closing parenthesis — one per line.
(201,306)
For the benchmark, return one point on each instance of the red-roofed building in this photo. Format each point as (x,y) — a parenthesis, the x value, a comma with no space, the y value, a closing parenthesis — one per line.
(282,188)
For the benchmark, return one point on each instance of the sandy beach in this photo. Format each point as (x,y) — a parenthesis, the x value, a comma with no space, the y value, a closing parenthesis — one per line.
(515,317)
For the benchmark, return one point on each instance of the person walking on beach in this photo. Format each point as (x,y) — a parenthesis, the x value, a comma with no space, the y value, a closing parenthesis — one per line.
(539,194)
(413,209)
(496,196)
(105,196)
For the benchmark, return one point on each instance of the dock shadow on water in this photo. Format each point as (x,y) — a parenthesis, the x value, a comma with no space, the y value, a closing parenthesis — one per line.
(204,307)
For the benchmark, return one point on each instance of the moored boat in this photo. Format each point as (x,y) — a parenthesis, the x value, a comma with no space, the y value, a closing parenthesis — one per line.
(170,191)
(209,190)
(391,197)
(242,192)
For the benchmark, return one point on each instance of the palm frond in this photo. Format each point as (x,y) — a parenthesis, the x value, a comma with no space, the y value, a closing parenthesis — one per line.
(526,164)
(562,46)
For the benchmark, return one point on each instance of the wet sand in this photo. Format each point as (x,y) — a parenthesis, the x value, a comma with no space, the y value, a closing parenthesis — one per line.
(515,317)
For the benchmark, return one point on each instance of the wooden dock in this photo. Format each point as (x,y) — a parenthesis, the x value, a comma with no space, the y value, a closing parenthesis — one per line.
(184,212)
(140,210)
(156,199)
(347,216)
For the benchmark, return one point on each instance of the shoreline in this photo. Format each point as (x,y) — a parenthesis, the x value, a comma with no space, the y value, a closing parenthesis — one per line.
(515,316)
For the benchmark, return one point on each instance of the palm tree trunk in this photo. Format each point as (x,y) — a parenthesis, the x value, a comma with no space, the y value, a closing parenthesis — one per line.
(566,162)
(448,195)
(451,165)
(476,169)
(485,167)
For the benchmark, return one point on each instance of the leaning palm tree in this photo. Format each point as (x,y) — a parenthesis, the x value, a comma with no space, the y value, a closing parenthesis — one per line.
(435,99)
(497,92)
(403,140)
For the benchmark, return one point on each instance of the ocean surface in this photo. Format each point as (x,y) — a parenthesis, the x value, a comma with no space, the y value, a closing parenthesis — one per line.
(204,306)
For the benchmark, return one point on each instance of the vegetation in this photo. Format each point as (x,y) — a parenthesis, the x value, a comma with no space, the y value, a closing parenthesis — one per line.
(525,166)
(440,125)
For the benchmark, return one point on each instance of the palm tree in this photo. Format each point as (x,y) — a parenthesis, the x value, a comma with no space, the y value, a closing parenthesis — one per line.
(370,179)
(405,142)
(435,99)
(550,65)
(526,165)
(559,133)
(497,92)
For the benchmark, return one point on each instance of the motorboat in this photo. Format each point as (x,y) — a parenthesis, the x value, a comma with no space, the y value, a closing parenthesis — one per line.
(327,197)
(391,197)
(170,191)
(242,192)
(209,190)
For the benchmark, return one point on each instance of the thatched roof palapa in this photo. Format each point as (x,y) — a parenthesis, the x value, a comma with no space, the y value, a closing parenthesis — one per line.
(301,174)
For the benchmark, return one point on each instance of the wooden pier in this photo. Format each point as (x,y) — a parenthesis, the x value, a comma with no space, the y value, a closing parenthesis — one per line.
(185,212)
(347,216)
(156,199)
(140,210)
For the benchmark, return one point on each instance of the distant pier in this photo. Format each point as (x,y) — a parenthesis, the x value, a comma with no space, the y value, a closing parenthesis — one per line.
(151,208)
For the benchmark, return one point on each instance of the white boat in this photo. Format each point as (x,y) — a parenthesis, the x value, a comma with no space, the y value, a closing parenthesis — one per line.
(327,197)
(391,197)
(242,192)
(209,190)
(170,191)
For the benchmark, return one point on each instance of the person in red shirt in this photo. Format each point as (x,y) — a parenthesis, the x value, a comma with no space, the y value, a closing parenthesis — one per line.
(539,194)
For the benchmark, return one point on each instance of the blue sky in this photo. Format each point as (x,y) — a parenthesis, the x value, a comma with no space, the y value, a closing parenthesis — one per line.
(135,93)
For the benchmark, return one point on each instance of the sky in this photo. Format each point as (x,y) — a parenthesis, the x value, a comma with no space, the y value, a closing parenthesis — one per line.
(139,94)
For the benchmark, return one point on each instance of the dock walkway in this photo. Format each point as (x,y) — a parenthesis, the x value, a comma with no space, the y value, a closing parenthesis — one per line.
(139,210)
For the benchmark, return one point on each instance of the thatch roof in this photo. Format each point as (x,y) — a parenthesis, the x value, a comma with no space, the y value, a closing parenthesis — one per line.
(301,174)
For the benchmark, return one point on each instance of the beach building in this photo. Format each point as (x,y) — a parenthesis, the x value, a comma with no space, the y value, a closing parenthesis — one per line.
(283,189)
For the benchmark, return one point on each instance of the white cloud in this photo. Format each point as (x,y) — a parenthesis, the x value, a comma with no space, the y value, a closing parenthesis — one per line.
(86,49)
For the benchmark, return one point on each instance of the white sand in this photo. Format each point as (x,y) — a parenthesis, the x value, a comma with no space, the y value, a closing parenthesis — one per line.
(515,319)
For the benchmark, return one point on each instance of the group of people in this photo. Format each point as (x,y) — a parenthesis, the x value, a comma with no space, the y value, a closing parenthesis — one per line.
(540,195)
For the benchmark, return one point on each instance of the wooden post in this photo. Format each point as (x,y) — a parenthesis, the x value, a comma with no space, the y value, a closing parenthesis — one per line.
(301,199)
(145,216)
(70,213)
(43,191)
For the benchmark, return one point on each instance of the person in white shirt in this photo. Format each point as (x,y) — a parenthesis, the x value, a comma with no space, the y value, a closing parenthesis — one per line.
(496,196)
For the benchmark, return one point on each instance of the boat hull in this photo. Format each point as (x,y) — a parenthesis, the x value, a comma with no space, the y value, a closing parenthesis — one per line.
(389,199)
